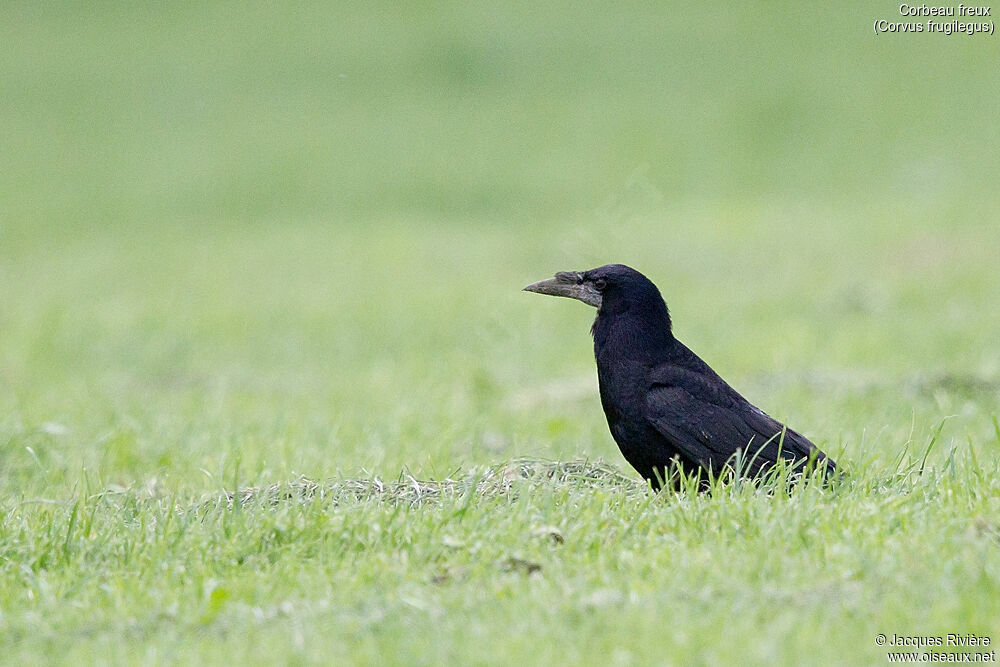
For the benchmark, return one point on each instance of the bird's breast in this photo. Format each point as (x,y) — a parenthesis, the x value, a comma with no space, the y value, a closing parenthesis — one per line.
(622,386)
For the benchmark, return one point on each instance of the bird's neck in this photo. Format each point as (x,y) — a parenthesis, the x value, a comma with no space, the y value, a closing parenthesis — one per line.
(633,336)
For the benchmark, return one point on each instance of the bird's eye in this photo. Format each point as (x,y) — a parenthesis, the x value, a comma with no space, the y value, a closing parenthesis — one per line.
(600,284)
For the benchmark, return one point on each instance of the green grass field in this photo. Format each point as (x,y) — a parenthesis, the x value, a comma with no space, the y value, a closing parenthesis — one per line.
(275,254)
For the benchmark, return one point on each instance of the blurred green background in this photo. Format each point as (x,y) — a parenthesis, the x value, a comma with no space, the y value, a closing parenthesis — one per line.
(246,242)
(292,237)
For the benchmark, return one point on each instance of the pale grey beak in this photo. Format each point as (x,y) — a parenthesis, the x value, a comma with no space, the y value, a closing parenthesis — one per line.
(568,283)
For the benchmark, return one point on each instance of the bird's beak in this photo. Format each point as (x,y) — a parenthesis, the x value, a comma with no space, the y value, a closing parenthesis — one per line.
(568,283)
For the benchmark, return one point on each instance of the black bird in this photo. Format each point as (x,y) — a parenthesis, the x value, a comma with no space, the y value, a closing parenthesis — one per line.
(665,406)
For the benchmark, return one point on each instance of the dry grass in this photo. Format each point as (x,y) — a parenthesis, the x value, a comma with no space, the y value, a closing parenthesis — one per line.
(503,479)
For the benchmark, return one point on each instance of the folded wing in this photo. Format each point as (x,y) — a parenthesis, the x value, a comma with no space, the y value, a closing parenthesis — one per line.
(709,423)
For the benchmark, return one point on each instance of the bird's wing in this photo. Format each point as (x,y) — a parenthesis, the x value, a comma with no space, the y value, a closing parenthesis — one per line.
(708,422)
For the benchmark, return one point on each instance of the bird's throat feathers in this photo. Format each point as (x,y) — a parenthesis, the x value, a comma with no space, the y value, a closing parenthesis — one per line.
(641,328)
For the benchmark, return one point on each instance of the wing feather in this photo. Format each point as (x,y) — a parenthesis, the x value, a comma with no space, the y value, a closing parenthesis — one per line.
(709,425)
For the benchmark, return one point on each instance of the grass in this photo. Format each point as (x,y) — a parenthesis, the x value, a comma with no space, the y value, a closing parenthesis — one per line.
(547,562)
(276,257)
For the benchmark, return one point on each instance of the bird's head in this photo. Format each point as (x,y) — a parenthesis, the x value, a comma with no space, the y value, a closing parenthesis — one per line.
(612,289)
